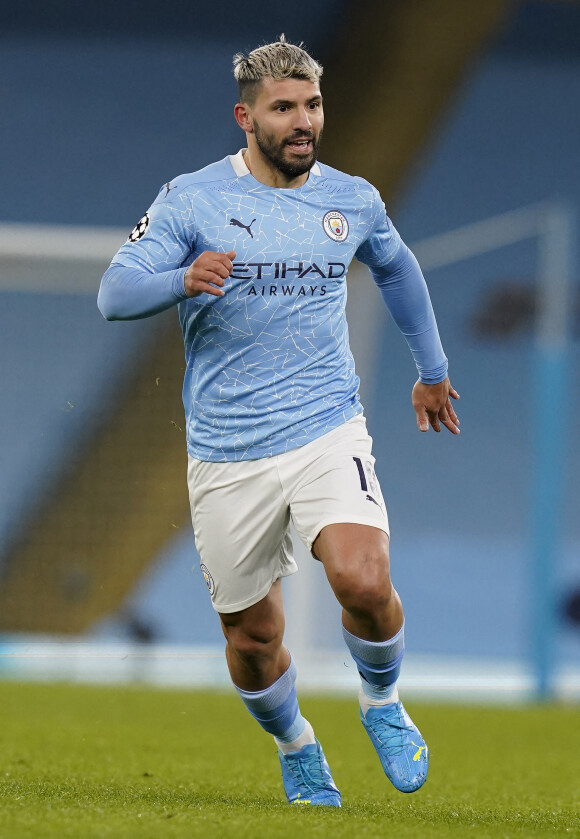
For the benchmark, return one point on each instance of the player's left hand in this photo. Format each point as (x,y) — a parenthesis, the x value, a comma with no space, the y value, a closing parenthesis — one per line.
(433,406)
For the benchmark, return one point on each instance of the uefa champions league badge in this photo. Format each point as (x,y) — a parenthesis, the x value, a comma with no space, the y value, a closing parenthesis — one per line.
(335,225)
(140,229)
(208,578)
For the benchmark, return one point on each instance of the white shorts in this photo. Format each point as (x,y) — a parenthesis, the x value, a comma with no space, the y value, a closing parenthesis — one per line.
(241,511)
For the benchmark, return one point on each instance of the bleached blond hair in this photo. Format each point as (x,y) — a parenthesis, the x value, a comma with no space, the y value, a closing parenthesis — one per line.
(279,60)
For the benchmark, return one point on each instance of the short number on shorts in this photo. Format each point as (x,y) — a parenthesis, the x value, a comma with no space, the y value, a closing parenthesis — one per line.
(361,474)
(363,480)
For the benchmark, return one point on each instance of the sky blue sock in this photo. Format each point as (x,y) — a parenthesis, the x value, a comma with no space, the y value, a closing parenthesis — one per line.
(276,708)
(378,662)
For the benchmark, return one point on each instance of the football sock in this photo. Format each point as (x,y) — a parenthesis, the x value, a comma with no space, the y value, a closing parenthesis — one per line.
(305,739)
(276,709)
(379,665)
(366,702)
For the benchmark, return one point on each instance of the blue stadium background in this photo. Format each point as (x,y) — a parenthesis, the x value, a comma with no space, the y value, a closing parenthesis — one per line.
(103,109)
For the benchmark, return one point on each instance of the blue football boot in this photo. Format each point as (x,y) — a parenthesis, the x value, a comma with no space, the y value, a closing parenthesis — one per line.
(401,749)
(307,778)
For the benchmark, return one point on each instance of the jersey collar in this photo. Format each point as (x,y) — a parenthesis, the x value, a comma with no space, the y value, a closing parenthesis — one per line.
(240,168)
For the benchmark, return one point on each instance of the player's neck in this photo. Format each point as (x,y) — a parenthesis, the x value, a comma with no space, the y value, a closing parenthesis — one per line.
(268,174)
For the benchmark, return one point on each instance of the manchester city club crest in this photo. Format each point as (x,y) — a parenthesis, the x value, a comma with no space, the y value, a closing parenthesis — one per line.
(140,229)
(208,578)
(335,225)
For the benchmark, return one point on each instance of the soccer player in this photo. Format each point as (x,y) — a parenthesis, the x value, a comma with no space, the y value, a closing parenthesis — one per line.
(254,250)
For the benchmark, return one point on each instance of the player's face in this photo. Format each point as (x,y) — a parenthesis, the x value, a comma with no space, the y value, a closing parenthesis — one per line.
(287,119)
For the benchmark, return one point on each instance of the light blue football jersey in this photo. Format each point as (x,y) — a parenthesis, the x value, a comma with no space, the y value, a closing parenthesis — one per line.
(268,365)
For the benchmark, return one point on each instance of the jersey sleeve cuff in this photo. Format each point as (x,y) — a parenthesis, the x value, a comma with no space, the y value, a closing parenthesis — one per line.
(178,285)
(433,377)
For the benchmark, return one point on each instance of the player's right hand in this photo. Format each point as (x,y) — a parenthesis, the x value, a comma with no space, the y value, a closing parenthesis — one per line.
(208,273)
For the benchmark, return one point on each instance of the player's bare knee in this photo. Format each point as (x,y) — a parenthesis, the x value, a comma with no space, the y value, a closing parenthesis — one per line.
(364,584)
(367,601)
(254,644)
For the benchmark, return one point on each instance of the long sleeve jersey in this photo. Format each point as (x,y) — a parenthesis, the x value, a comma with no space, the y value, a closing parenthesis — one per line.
(268,365)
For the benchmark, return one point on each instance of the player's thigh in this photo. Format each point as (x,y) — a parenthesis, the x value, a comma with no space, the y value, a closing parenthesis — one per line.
(240,521)
(336,483)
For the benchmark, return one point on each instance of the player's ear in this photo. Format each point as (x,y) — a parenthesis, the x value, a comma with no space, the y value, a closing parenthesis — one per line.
(244,117)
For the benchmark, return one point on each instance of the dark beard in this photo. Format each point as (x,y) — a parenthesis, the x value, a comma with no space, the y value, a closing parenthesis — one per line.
(274,152)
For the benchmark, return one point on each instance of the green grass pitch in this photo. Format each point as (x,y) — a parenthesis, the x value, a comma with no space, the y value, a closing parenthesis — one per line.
(83,762)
